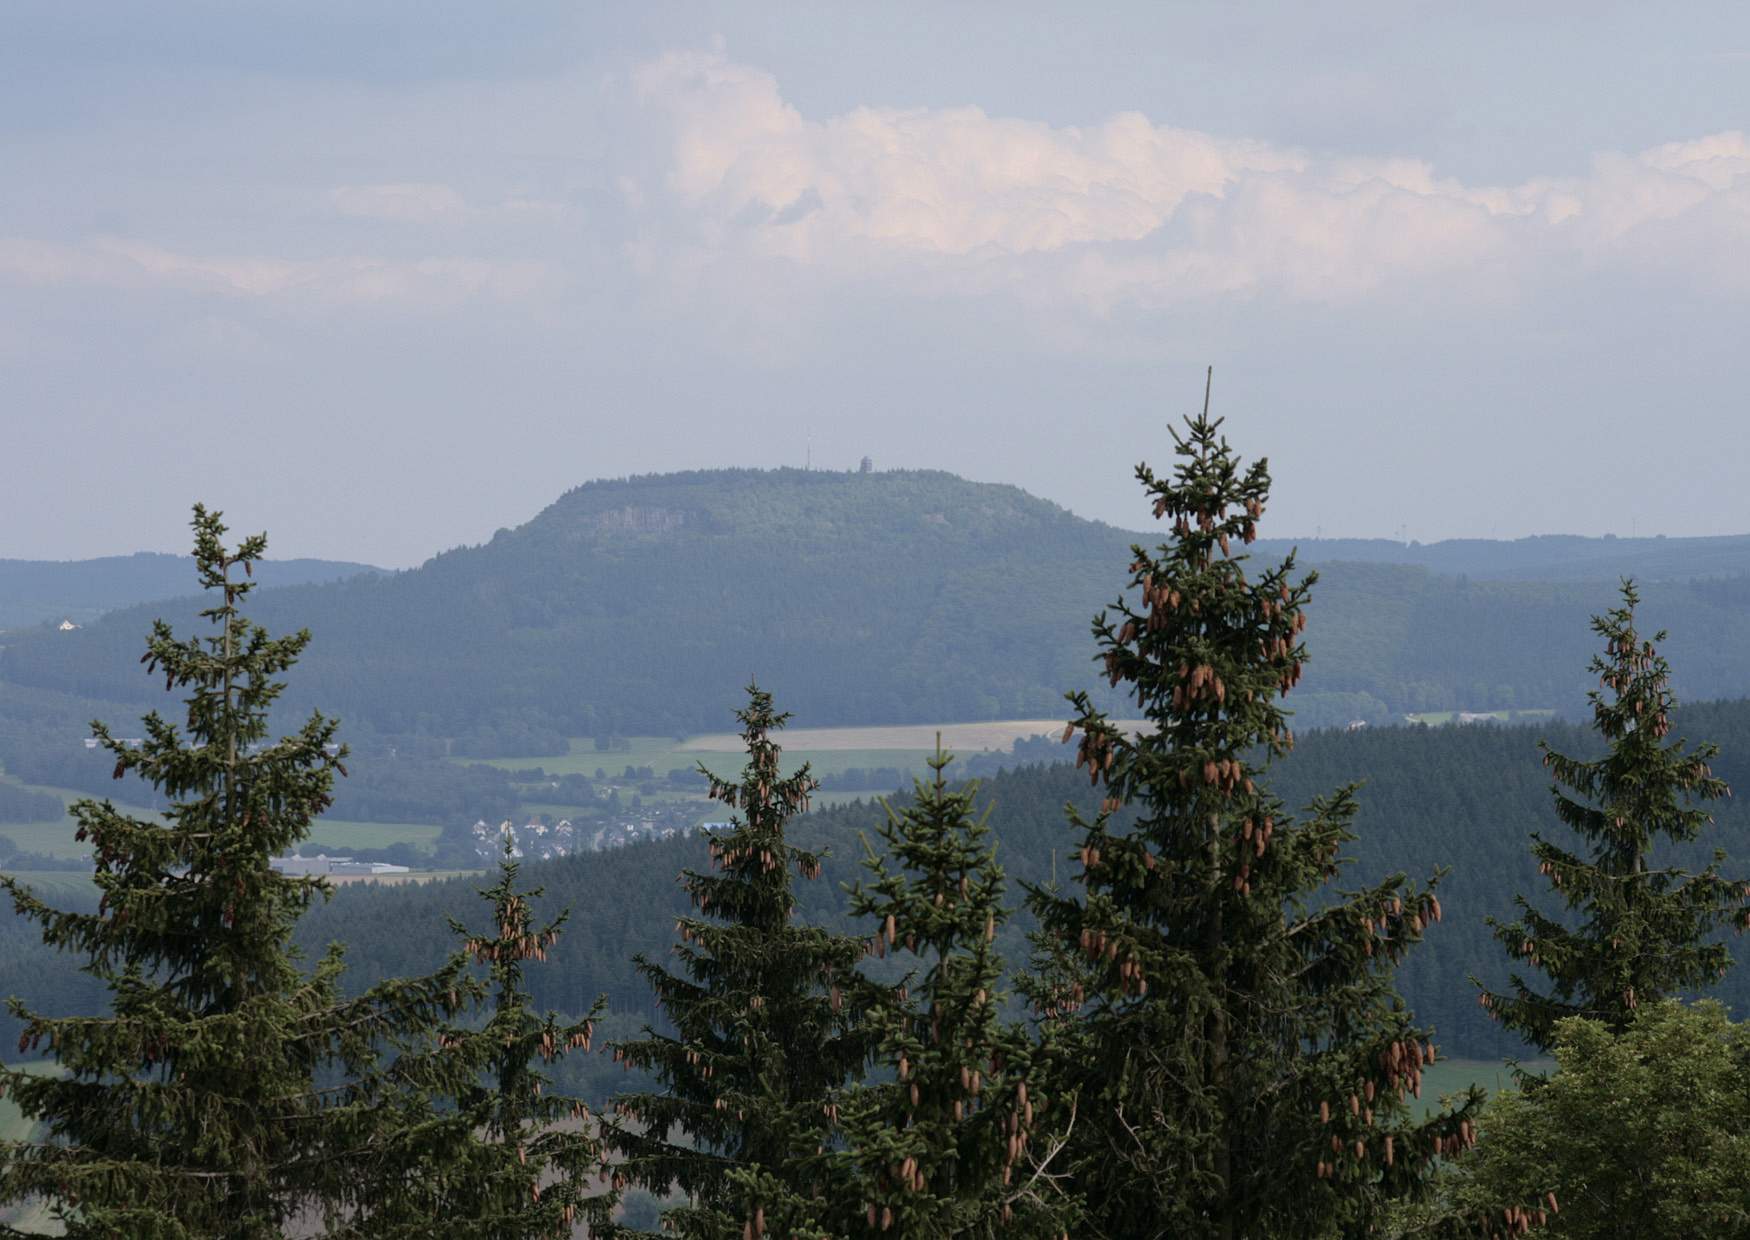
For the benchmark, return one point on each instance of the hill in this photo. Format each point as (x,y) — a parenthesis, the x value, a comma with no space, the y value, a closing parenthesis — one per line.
(644,605)
(40,591)
(1542,557)
(641,606)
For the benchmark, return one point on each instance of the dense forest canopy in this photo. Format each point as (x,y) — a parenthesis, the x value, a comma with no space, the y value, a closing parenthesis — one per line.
(638,606)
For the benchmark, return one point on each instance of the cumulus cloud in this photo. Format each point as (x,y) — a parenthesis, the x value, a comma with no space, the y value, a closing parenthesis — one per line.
(1132,211)
(121,263)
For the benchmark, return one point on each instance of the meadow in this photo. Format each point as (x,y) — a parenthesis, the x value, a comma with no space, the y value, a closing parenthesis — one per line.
(55,837)
(1450,1077)
(828,751)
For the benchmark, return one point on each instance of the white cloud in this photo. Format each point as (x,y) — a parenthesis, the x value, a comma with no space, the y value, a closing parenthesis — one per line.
(1134,211)
(122,263)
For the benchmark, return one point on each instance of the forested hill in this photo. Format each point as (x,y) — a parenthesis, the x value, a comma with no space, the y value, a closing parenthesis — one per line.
(645,605)
(38,591)
(641,606)
(1544,557)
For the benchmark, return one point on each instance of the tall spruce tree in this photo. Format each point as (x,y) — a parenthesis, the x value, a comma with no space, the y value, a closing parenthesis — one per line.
(765,1025)
(950,1145)
(204,1103)
(497,1156)
(1637,932)
(1228,1037)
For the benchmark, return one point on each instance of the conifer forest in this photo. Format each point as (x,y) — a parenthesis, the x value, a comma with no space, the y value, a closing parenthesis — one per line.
(1217,1011)
(983,621)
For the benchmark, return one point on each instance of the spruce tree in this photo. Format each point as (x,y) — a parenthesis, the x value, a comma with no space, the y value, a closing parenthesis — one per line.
(1227,1037)
(205,1102)
(950,1146)
(764,1024)
(1636,932)
(497,1155)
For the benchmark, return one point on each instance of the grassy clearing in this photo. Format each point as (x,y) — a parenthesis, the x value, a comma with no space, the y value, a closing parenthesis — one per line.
(13,1126)
(54,837)
(665,754)
(338,833)
(56,886)
(397,880)
(1438,718)
(961,737)
(829,751)
(1453,1076)
(31,1218)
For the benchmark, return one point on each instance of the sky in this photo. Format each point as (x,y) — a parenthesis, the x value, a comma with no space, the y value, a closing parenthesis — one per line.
(382,277)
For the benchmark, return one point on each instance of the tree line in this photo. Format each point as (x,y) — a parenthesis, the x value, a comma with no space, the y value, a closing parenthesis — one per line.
(1208,1038)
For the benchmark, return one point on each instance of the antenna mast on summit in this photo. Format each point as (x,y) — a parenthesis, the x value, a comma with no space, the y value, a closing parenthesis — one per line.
(808,460)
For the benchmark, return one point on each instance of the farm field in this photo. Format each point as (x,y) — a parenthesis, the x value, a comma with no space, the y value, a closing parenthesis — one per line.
(1453,1076)
(1437,718)
(57,886)
(664,754)
(830,751)
(13,1126)
(961,737)
(339,834)
(54,837)
(397,880)
(33,1218)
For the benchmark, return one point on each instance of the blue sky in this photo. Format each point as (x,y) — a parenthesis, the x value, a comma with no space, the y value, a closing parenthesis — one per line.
(383,277)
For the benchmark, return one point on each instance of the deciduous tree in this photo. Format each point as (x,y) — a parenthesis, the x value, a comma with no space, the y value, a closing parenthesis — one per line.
(1639,1132)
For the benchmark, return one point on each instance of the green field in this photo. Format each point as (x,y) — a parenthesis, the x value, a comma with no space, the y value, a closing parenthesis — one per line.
(664,754)
(13,1126)
(32,1219)
(830,750)
(1454,1076)
(340,835)
(56,885)
(54,838)
(1437,718)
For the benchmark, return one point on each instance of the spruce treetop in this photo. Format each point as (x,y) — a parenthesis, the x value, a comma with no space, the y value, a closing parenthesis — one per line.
(192,1107)
(764,1016)
(1637,933)
(1221,1017)
(947,1147)
(495,1151)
